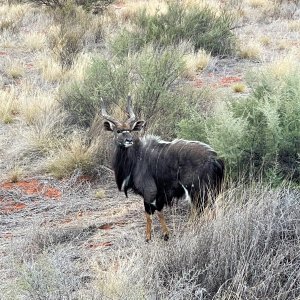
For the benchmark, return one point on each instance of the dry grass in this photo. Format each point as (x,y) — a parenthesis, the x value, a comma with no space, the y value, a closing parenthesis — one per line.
(15,174)
(34,104)
(265,40)
(66,38)
(283,67)
(239,87)
(283,44)
(251,50)
(132,8)
(45,135)
(35,41)
(8,105)
(259,3)
(294,25)
(76,154)
(7,40)
(15,69)
(252,235)
(50,68)
(11,16)
(196,62)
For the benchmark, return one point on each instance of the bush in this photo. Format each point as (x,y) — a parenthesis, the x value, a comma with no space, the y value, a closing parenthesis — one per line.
(258,133)
(203,27)
(67,38)
(150,76)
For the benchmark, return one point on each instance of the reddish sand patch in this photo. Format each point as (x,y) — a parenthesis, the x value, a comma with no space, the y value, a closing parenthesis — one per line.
(227,81)
(9,206)
(2,53)
(198,83)
(33,187)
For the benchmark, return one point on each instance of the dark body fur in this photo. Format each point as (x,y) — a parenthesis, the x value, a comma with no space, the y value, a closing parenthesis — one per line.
(160,171)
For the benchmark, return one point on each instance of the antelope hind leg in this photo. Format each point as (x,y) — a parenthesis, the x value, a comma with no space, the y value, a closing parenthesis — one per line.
(163,224)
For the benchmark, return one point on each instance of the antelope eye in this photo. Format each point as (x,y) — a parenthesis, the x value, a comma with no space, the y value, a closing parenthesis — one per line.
(119,131)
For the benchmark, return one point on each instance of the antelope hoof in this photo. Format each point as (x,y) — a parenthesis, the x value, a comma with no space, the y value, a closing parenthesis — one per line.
(166,236)
(148,240)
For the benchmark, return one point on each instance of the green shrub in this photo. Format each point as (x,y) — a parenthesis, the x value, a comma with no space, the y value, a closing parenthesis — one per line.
(257,134)
(150,76)
(105,78)
(203,27)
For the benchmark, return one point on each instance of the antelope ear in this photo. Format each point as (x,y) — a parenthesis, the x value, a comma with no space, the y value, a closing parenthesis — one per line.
(109,126)
(138,125)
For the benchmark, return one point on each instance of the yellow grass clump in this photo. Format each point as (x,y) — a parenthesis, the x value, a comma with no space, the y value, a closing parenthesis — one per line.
(15,174)
(196,62)
(33,104)
(35,41)
(11,16)
(259,3)
(15,69)
(283,44)
(131,8)
(294,25)
(265,40)
(8,105)
(239,87)
(283,67)
(251,50)
(76,154)
(50,68)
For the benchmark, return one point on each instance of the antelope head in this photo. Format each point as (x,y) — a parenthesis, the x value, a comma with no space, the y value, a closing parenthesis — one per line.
(122,130)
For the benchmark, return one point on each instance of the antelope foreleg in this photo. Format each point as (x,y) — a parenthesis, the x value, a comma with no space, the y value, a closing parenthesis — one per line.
(148,226)
(163,224)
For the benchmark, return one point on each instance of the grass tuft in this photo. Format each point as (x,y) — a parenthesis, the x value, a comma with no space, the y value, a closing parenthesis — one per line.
(251,50)
(15,70)
(76,154)
(239,87)
(8,105)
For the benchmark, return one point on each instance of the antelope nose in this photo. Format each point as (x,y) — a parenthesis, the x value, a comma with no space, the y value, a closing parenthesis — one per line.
(128,140)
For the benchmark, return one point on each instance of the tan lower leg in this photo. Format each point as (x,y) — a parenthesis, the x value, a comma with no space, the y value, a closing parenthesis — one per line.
(163,224)
(148,226)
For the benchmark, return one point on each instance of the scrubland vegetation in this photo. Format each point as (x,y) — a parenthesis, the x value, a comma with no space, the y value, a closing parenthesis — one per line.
(224,73)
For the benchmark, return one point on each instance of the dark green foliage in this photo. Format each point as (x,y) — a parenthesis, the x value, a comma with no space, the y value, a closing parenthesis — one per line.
(202,27)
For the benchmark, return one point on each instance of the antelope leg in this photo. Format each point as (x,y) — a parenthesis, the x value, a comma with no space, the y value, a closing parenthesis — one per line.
(148,226)
(163,224)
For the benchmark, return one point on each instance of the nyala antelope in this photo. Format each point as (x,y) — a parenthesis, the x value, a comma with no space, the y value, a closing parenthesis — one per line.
(160,171)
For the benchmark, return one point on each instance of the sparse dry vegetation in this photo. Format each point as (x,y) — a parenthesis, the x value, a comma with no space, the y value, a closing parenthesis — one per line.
(223,73)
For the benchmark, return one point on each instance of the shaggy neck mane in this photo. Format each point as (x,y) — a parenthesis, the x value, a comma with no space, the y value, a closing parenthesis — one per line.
(124,162)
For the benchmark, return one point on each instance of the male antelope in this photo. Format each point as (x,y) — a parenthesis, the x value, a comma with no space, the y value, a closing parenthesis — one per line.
(160,171)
